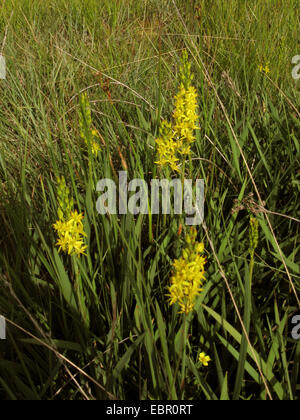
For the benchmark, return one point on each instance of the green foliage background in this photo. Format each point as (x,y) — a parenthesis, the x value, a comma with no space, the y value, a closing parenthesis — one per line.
(100,327)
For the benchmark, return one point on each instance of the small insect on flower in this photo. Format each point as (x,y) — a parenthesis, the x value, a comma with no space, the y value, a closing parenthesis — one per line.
(204,359)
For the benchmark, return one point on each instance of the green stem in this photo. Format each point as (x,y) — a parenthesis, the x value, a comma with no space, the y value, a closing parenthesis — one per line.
(184,342)
(79,291)
(251,269)
(247,322)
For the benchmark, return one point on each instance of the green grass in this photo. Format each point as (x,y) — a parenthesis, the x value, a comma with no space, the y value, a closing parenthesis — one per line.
(100,327)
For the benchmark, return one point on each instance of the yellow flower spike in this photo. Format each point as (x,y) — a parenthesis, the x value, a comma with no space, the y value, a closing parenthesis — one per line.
(267,68)
(166,147)
(69,227)
(204,359)
(64,200)
(176,138)
(200,248)
(185,118)
(87,133)
(188,275)
(264,69)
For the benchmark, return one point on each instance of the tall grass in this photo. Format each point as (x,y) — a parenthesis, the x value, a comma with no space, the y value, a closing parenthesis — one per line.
(100,327)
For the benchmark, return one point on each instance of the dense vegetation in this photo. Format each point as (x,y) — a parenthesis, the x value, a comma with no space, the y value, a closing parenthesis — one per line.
(100,326)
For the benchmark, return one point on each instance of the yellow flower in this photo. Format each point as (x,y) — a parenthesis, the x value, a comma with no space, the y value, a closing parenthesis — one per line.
(267,68)
(76,218)
(87,133)
(95,148)
(69,227)
(203,359)
(176,139)
(166,147)
(264,69)
(200,248)
(76,245)
(62,242)
(188,275)
(185,117)
(59,226)
(70,235)
(95,145)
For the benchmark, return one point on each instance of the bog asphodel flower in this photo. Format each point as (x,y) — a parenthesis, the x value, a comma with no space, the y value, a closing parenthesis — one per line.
(70,235)
(204,359)
(87,133)
(188,275)
(264,69)
(69,226)
(185,118)
(167,147)
(176,138)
